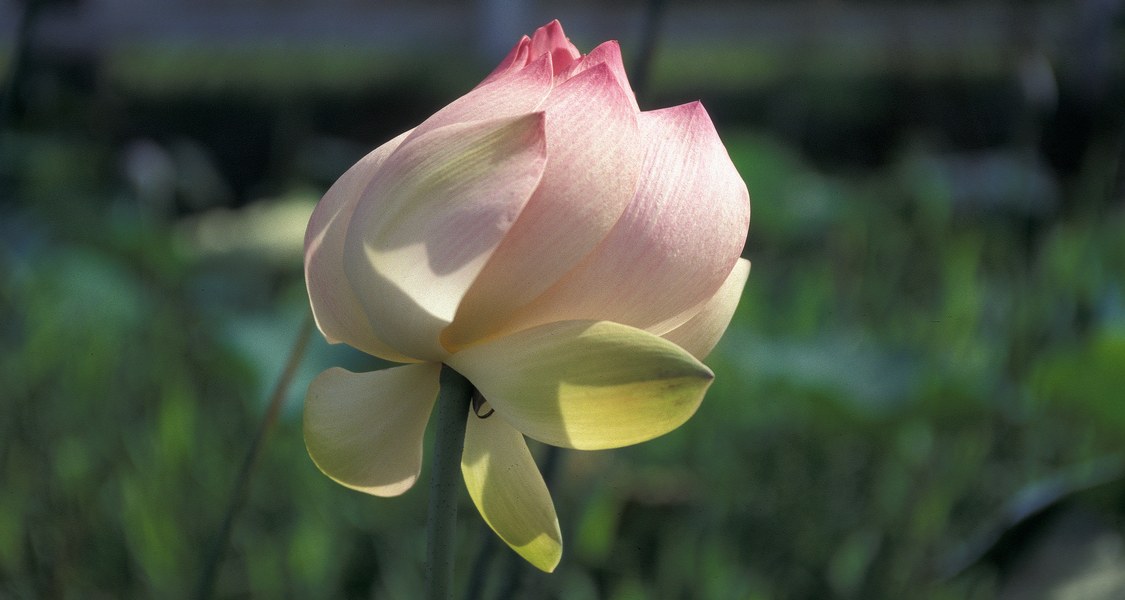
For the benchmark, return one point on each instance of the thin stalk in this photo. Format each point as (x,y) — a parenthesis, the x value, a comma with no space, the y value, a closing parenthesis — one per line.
(217,550)
(20,59)
(445,483)
(478,573)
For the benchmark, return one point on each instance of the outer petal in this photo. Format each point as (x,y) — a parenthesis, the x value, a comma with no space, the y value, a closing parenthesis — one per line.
(609,54)
(337,311)
(520,92)
(517,58)
(365,430)
(430,219)
(674,245)
(586,385)
(589,180)
(508,490)
(702,332)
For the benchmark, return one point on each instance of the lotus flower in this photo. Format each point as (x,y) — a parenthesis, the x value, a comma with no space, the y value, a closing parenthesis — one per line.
(572,256)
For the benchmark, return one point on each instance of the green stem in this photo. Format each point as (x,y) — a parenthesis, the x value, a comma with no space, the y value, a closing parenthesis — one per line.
(445,483)
(214,558)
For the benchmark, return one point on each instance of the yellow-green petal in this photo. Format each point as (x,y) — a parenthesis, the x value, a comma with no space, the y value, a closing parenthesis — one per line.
(587,384)
(508,490)
(364,430)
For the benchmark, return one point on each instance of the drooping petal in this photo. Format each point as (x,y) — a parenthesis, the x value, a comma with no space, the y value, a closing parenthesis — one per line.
(431,218)
(335,307)
(508,490)
(702,332)
(365,430)
(594,162)
(586,385)
(674,245)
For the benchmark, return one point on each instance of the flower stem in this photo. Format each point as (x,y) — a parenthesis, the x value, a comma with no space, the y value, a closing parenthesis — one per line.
(445,478)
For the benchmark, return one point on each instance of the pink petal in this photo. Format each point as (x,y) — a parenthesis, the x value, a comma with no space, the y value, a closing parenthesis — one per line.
(702,332)
(609,54)
(550,39)
(674,245)
(335,306)
(516,59)
(518,93)
(591,174)
(429,220)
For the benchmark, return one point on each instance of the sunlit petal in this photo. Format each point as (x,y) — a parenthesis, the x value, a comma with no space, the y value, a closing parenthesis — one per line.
(365,430)
(520,92)
(508,490)
(338,313)
(516,59)
(431,218)
(587,385)
(669,252)
(589,180)
(702,332)
(550,39)
(609,54)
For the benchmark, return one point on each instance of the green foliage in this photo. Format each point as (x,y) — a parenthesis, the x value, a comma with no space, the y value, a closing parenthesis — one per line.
(908,362)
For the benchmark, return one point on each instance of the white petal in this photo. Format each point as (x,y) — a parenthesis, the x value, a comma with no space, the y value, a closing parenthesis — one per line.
(365,430)
(702,332)
(431,218)
(337,310)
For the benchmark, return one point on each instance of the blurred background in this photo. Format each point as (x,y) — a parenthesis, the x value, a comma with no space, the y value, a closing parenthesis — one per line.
(921,394)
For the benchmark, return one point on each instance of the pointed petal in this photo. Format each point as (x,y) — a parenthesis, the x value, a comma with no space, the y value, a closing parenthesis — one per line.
(431,218)
(589,180)
(516,59)
(550,39)
(702,332)
(519,92)
(508,490)
(674,245)
(586,385)
(550,42)
(609,54)
(365,430)
(335,307)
